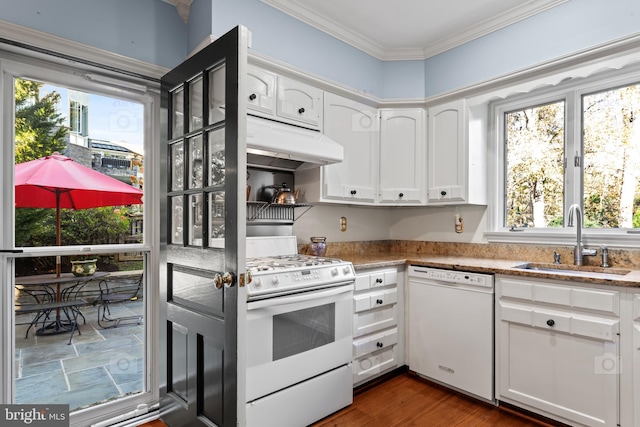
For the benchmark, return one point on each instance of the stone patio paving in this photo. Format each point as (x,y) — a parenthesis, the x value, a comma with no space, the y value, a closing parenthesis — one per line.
(99,365)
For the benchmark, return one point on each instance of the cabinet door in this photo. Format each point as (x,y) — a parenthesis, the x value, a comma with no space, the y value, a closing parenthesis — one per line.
(447,154)
(402,156)
(355,127)
(636,358)
(261,92)
(562,374)
(299,102)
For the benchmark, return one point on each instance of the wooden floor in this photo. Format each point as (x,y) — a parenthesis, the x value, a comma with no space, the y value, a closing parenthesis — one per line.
(406,400)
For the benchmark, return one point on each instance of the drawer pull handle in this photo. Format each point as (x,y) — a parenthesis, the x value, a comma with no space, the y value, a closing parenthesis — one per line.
(353,192)
(252,97)
(551,322)
(379,301)
(301,111)
(378,280)
(401,195)
(443,193)
(379,345)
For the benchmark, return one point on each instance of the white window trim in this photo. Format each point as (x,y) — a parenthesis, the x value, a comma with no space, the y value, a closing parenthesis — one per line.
(27,64)
(608,74)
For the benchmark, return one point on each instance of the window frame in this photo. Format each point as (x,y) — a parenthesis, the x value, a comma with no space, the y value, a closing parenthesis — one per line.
(572,90)
(14,66)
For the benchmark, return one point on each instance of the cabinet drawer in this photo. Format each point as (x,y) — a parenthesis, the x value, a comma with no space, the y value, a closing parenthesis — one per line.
(374,299)
(374,320)
(558,321)
(371,343)
(570,297)
(370,365)
(377,279)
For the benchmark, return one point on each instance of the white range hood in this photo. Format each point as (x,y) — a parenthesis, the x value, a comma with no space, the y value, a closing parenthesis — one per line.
(276,145)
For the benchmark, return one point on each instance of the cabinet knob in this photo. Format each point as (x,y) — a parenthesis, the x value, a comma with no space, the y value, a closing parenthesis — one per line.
(443,193)
(353,192)
(252,97)
(401,195)
(551,322)
(378,280)
(379,345)
(379,301)
(300,110)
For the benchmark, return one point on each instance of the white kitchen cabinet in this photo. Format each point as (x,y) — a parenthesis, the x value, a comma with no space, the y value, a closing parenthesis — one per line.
(378,344)
(402,156)
(635,340)
(384,156)
(299,102)
(283,99)
(261,90)
(354,180)
(456,167)
(557,349)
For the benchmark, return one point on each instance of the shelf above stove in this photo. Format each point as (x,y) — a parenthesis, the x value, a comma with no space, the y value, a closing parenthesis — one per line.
(270,213)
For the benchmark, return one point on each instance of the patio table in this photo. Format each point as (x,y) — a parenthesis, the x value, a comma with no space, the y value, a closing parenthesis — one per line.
(56,290)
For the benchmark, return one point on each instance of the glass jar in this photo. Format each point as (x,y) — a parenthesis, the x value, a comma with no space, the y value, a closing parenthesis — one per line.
(318,246)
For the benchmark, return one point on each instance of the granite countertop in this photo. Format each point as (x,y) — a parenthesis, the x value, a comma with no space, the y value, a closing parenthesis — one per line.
(612,277)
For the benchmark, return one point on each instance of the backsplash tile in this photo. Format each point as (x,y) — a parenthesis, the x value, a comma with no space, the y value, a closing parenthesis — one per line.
(623,258)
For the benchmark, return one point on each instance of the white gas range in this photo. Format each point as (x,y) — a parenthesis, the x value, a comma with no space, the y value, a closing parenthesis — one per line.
(299,334)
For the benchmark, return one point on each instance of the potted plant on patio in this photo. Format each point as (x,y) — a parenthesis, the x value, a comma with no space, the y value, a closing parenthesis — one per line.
(84,267)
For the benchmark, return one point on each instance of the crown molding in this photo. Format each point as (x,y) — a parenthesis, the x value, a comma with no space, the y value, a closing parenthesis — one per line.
(305,14)
(488,26)
(37,41)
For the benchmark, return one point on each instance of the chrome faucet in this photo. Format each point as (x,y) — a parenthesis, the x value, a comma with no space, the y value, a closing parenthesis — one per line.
(579,251)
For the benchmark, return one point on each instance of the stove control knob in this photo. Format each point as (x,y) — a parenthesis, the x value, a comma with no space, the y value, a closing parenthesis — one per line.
(275,280)
(257,283)
(334,271)
(346,270)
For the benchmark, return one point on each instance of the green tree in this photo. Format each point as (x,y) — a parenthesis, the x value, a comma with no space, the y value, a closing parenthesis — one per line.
(39,127)
(39,131)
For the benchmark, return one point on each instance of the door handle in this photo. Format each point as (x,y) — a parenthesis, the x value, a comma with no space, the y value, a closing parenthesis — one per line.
(226,279)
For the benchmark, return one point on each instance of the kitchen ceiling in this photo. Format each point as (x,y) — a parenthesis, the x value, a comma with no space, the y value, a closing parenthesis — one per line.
(409,29)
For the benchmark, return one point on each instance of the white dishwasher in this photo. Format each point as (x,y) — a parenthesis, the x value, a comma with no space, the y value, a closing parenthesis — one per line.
(451,329)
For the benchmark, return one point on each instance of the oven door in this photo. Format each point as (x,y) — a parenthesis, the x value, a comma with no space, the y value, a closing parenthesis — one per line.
(295,337)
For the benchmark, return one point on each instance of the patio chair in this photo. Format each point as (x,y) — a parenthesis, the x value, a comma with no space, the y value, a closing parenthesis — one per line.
(117,290)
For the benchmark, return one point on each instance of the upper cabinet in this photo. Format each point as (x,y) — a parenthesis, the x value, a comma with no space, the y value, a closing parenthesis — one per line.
(456,163)
(402,156)
(384,156)
(261,90)
(283,99)
(299,102)
(355,127)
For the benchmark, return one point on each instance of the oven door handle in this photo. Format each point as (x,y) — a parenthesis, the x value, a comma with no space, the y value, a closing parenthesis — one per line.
(338,289)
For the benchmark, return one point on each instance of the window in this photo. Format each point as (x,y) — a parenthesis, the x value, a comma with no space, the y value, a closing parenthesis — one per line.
(574,144)
(534,148)
(104,371)
(78,118)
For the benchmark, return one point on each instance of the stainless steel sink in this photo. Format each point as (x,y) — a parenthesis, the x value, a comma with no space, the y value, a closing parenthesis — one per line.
(575,270)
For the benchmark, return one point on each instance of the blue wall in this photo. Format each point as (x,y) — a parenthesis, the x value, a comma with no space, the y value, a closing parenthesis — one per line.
(568,28)
(152,31)
(282,37)
(148,30)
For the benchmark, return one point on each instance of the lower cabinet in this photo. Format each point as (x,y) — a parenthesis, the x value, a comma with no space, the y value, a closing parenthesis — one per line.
(557,350)
(378,346)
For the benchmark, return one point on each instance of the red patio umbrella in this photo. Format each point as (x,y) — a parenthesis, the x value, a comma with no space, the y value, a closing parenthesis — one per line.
(58,182)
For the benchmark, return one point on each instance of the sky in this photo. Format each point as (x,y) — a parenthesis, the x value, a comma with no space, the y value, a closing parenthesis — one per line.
(115,120)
